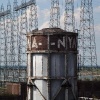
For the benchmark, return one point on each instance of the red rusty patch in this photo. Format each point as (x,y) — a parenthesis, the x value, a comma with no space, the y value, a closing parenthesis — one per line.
(56,42)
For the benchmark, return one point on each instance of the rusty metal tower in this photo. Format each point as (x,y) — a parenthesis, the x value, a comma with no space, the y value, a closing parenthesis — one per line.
(87,45)
(55,14)
(69,21)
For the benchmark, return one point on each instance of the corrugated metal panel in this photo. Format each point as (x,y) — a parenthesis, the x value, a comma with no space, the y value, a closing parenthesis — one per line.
(40,91)
(40,69)
(57,62)
(57,70)
(72,73)
(71,43)
(39,42)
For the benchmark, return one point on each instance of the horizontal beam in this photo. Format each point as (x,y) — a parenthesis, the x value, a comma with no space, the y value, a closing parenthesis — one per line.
(24,5)
(5,13)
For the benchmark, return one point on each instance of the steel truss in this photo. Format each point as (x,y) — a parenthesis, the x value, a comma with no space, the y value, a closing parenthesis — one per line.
(69,20)
(33,20)
(55,14)
(87,45)
(13,29)
(8,46)
(2,43)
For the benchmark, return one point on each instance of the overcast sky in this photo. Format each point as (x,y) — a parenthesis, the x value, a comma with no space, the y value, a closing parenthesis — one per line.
(44,16)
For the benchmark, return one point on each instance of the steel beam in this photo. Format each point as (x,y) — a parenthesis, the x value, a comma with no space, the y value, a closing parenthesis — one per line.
(24,5)
(5,13)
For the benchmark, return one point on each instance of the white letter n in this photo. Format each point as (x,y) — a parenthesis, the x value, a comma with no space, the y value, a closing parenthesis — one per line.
(61,42)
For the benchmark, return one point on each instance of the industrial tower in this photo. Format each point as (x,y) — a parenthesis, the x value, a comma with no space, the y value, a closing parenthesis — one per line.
(16,41)
(87,45)
(55,14)
(2,42)
(14,25)
(9,51)
(33,20)
(69,21)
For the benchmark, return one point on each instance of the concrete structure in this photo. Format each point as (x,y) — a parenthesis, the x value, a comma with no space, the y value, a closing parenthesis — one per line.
(52,65)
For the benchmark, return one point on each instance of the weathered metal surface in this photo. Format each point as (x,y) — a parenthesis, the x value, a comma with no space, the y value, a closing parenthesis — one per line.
(52,42)
(57,69)
(57,42)
(72,74)
(39,42)
(52,65)
(13,89)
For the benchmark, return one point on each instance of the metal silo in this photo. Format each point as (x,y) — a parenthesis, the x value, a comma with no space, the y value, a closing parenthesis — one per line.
(52,65)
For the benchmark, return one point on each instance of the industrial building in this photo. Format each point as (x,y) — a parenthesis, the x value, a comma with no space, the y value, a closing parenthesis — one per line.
(52,64)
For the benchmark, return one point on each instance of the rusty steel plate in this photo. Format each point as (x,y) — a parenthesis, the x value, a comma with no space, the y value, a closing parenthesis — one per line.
(52,42)
(39,42)
(71,43)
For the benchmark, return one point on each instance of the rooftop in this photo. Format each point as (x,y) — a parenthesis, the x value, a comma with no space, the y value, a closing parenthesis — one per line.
(50,31)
